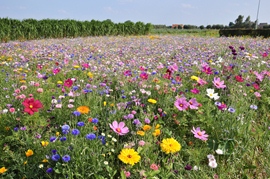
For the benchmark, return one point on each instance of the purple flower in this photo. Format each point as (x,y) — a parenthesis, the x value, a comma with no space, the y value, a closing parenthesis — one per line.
(193,104)
(253,106)
(75,132)
(49,170)
(66,158)
(181,104)
(232,110)
(54,151)
(119,128)
(90,136)
(55,157)
(188,167)
(199,134)
(62,139)
(53,139)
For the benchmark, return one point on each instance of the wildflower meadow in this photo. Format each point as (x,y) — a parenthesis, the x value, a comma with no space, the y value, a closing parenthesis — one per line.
(163,106)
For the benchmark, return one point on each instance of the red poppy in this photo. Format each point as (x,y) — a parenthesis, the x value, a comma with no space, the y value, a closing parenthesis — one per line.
(31,105)
(239,78)
(68,83)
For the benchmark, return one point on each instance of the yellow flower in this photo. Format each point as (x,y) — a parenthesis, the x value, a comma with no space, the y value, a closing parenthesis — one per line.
(3,170)
(156,132)
(141,133)
(29,153)
(57,133)
(104,103)
(112,104)
(170,145)
(22,81)
(157,126)
(152,101)
(129,156)
(90,75)
(59,82)
(83,109)
(194,78)
(146,127)
(44,160)
(44,143)
(76,66)
(25,162)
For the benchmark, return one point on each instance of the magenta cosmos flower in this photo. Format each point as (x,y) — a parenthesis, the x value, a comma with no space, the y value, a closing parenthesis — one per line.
(199,134)
(219,84)
(31,105)
(120,128)
(181,104)
(193,104)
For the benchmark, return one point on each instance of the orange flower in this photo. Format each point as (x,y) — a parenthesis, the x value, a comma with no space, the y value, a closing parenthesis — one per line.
(29,153)
(3,170)
(157,132)
(83,109)
(141,133)
(95,128)
(146,127)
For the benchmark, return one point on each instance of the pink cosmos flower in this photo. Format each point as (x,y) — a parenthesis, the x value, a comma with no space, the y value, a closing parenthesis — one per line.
(56,70)
(207,70)
(199,134)
(259,76)
(181,104)
(201,82)
(195,91)
(120,128)
(219,84)
(193,104)
(31,105)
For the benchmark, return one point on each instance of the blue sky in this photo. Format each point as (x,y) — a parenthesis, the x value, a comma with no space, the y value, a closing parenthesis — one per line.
(167,12)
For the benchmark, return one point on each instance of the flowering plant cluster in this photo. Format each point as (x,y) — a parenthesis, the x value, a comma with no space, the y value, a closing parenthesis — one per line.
(135,107)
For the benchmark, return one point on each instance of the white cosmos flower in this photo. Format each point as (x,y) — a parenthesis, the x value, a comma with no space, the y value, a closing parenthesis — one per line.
(211,93)
(213,164)
(219,151)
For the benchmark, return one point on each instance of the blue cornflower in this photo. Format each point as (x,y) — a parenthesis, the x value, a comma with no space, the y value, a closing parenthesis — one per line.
(49,170)
(102,138)
(55,157)
(16,129)
(53,139)
(75,88)
(66,158)
(90,136)
(80,124)
(75,132)
(54,151)
(65,129)
(76,113)
(62,139)
(95,120)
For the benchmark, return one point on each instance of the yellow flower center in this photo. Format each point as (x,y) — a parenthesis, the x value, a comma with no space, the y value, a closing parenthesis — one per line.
(199,133)
(129,156)
(31,106)
(118,129)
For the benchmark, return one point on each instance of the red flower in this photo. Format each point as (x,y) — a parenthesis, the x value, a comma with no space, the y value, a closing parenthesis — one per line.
(239,78)
(31,105)
(144,76)
(68,83)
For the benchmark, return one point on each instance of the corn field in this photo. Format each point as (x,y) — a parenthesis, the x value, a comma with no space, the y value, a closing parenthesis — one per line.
(29,29)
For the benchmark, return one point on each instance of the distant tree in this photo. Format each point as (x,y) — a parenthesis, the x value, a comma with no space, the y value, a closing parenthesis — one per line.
(208,26)
(190,27)
(217,26)
(201,27)
(231,24)
(248,23)
(239,21)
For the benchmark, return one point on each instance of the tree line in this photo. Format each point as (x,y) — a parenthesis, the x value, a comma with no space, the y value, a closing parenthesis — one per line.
(238,23)
(28,29)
